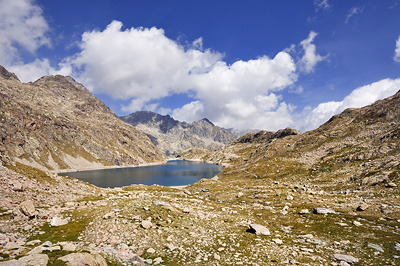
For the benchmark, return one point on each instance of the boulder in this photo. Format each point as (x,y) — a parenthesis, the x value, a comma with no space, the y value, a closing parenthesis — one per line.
(78,259)
(27,208)
(57,221)
(146,224)
(259,229)
(323,211)
(346,258)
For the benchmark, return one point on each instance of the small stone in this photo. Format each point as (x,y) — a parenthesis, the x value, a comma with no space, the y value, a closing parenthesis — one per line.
(304,211)
(216,256)
(277,241)
(158,260)
(27,208)
(259,229)
(33,242)
(391,184)
(362,207)
(240,194)
(346,258)
(323,211)
(150,250)
(159,203)
(17,186)
(12,245)
(146,224)
(357,223)
(377,247)
(289,197)
(109,215)
(68,246)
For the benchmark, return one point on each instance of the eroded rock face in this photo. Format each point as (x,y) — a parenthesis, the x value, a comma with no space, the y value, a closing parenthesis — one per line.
(56,123)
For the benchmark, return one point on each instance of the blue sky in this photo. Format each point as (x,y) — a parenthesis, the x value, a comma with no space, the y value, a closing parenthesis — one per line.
(243,64)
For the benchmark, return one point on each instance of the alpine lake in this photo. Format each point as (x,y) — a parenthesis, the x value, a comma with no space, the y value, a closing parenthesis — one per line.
(173,173)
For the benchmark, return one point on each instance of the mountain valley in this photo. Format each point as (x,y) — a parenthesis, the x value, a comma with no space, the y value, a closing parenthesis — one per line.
(329,196)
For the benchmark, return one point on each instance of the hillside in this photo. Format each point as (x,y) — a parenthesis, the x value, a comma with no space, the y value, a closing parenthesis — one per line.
(172,136)
(325,197)
(56,123)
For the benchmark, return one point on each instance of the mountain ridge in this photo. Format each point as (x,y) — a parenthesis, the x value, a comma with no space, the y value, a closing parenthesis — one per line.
(173,136)
(55,123)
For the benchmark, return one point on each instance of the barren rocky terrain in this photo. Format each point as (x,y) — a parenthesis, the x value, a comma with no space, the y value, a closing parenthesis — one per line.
(56,123)
(324,197)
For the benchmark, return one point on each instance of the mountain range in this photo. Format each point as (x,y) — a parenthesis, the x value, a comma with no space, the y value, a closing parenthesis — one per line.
(172,136)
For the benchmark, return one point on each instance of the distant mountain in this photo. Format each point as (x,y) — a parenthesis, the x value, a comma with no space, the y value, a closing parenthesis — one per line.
(173,136)
(56,123)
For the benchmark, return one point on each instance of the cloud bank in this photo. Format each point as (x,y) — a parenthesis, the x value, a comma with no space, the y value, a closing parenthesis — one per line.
(144,65)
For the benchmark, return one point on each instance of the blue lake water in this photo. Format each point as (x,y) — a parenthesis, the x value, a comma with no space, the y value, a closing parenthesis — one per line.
(174,173)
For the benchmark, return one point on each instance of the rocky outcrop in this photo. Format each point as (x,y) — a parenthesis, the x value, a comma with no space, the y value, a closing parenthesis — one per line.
(173,136)
(56,123)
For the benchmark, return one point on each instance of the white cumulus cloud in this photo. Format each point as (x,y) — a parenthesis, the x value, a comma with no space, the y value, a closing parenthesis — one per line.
(21,25)
(310,58)
(144,65)
(397,51)
(359,97)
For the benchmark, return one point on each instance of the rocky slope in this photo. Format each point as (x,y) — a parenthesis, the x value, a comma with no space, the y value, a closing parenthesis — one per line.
(56,123)
(326,197)
(173,136)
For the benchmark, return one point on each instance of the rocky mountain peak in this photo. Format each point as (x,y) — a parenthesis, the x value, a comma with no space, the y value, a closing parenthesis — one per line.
(4,73)
(173,136)
(56,123)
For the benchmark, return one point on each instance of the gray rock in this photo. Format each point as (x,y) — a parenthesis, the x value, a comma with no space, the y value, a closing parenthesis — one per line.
(17,186)
(323,210)
(146,224)
(362,207)
(78,259)
(391,184)
(57,221)
(304,211)
(346,258)
(259,229)
(377,247)
(27,208)
(30,260)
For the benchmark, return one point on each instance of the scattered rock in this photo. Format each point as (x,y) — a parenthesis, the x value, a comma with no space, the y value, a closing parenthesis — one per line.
(391,184)
(377,247)
(357,223)
(79,259)
(27,208)
(259,229)
(304,211)
(362,207)
(323,211)
(109,215)
(277,241)
(346,258)
(57,221)
(146,224)
(150,250)
(30,260)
